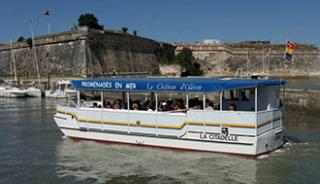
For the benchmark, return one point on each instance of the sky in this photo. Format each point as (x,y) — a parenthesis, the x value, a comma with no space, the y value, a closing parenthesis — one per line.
(185,21)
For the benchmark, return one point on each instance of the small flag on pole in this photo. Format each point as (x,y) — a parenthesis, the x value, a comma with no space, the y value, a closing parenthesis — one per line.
(46,13)
(290,48)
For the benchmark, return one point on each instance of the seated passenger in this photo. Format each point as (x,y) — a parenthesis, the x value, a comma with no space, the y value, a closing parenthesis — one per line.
(107,105)
(94,105)
(149,108)
(168,106)
(146,104)
(232,107)
(162,105)
(135,106)
(116,105)
(209,106)
(216,106)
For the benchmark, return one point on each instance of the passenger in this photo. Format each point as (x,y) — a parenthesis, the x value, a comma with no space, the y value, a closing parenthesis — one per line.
(193,103)
(168,106)
(146,104)
(243,96)
(162,105)
(209,105)
(216,106)
(116,105)
(149,108)
(94,105)
(108,105)
(232,107)
(135,106)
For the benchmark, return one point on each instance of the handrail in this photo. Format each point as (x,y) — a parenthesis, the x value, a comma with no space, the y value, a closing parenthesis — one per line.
(270,110)
(71,104)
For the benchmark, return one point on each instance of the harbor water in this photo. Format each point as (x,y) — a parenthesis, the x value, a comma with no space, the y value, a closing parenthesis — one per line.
(33,150)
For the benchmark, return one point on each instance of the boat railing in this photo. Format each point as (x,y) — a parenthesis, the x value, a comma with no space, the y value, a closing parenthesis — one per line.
(69,103)
(269,119)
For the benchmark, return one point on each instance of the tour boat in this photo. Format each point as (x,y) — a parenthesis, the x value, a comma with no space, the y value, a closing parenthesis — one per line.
(247,118)
(64,90)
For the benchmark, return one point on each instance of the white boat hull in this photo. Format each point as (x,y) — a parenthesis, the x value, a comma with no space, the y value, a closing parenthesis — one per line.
(174,143)
(13,93)
(33,92)
(189,139)
(60,94)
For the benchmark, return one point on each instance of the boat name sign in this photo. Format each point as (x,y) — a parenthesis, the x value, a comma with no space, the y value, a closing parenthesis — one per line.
(134,86)
(216,136)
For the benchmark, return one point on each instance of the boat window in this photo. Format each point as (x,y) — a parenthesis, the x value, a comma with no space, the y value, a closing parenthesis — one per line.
(195,101)
(142,101)
(268,97)
(240,100)
(212,101)
(231,95)
(111,100)
(62,87)
(174,102)
(244,94)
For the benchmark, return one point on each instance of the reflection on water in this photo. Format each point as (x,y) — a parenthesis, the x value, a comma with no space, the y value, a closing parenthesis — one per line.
(304,84)
(119,163)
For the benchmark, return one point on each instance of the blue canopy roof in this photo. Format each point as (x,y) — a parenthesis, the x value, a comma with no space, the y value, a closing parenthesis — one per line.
(170,84)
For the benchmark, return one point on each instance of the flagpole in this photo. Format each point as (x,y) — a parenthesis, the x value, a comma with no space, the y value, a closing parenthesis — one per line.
(47,13)
(13,62)
(49,28)
(35,53)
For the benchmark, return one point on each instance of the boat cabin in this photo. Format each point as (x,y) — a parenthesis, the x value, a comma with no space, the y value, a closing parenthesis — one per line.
(186,93)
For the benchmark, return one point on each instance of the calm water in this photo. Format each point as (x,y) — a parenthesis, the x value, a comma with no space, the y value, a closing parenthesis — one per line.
(304,84)
(33,150)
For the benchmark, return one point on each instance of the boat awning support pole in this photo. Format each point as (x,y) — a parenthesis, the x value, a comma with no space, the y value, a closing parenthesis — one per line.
(220,97)
(156,109)
(78,99)
(187,101)
(256,108)
(204,100)
(283,93)
(102,105)
(128,101)
(256,99)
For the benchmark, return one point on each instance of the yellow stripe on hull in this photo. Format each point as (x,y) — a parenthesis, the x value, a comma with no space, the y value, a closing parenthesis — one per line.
(169,126)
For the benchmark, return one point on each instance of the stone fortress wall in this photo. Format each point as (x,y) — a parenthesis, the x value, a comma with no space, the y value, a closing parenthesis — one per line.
(226,59)
(81,53)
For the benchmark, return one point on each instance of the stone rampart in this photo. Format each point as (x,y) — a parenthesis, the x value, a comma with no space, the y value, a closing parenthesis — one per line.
(82,53)
(226,60)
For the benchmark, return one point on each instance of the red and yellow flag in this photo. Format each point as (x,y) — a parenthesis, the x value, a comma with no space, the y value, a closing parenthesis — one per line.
(290,48)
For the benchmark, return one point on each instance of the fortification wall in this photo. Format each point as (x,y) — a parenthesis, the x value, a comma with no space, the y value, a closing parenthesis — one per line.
(226,60)
(81,53)
(121,53)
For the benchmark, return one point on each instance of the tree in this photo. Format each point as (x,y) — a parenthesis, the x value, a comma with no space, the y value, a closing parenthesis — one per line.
(165,54)
(124,29)
(20,39)
(188,64)
(89,20)
(29,42)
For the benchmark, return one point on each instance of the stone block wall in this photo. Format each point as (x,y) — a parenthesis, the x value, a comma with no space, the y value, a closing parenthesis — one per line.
(81,53)
(226,60)
(306,101)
